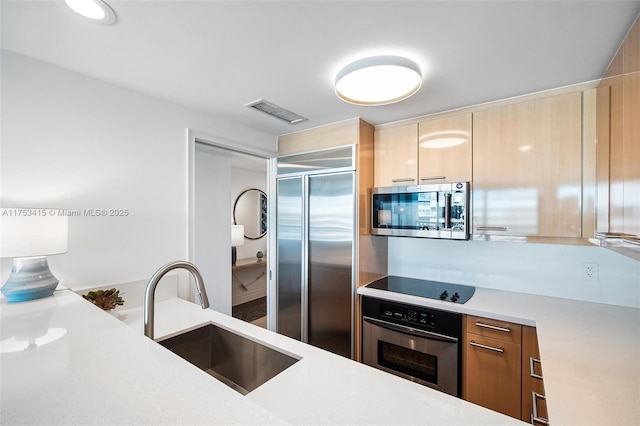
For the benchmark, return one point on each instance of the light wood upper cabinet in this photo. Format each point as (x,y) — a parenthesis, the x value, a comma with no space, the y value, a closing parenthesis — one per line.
(631,50)
(631,153)
(527,168)
(618,145)
(444,149)
(631,131)
(603,106)
(396,156)
(342,133)
(432,151)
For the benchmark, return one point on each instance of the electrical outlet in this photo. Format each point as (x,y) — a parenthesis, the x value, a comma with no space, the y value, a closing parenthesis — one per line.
(590,271)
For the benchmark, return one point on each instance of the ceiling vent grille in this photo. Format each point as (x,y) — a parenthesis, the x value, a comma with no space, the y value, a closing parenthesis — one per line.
(276,111)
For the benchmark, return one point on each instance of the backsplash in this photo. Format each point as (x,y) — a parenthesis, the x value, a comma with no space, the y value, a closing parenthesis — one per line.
(544,269)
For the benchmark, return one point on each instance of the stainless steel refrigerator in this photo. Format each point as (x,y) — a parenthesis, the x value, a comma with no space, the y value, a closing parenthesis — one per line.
(315,234)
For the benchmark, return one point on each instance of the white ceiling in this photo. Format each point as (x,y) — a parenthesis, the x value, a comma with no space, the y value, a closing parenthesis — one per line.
(216,56)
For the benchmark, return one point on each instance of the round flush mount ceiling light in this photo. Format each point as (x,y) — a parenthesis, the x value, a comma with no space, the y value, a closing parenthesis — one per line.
(96,10)
(378,80)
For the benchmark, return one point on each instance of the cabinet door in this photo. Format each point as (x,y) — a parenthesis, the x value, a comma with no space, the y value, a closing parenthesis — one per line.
(492,374)
(603,107)
(532,384)
(444,149)
(527,168)
(631,130)
(396,156)
(631,151)
(618,150)
(289,255)
(616,157)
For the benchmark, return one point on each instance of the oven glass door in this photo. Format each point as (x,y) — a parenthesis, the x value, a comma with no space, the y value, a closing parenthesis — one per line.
(429,361)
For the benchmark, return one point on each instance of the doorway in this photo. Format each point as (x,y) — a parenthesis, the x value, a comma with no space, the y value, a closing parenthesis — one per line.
(222,178)
(249,187)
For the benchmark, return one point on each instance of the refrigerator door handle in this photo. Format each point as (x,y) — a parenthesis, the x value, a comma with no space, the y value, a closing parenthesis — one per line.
(304,280)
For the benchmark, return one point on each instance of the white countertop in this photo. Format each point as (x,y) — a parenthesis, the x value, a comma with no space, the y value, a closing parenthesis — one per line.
(87,367)
(590,352)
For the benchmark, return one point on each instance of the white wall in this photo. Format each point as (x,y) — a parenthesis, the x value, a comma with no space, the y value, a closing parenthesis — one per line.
(71,141)
(545,269)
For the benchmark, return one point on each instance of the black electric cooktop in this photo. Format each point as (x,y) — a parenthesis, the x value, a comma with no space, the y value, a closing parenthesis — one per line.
(448,292)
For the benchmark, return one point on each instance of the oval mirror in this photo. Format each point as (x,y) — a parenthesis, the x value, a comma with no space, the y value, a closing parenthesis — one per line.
(250,210)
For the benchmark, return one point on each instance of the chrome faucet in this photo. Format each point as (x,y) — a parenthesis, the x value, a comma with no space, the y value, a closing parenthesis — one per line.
(149,294)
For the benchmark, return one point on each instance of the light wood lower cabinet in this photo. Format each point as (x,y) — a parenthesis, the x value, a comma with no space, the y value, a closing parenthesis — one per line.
(534,403)
(502,370)
(492,377)
(492,365)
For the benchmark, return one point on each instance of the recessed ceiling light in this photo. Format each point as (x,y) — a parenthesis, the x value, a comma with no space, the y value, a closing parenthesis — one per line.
(97,10)
(378,80)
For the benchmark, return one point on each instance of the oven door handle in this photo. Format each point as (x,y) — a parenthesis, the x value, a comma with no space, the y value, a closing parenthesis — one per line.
(410,330)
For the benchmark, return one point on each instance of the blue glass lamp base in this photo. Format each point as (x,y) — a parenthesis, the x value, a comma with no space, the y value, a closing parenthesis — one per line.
(30,279)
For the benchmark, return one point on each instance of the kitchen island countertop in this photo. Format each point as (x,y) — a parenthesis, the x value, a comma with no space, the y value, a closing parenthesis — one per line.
(64,361)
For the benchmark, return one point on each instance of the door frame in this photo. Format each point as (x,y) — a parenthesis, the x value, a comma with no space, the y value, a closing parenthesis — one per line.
(194,137)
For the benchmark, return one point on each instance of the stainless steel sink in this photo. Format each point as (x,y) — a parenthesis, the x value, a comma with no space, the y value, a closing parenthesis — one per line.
(237,361)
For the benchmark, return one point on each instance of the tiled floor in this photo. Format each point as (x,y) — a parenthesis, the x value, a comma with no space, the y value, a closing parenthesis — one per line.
(254,311)
(260,322)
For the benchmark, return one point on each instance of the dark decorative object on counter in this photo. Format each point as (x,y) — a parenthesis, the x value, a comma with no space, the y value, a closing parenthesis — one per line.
(105,299)
(259,255)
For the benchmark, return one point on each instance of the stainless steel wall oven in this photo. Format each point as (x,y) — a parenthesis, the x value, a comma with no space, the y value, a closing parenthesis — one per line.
(417,343)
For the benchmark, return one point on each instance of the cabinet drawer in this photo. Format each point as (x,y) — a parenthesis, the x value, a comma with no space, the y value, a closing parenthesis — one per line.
(501,330)
(492,374)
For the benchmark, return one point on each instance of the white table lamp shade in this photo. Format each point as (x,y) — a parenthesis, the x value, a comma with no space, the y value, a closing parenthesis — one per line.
(237,235)
(26,236)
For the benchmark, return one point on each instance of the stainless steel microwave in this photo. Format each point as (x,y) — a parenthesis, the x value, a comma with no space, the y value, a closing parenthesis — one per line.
(428,211)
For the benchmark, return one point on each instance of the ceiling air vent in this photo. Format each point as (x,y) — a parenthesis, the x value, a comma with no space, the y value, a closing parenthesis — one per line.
(275,111)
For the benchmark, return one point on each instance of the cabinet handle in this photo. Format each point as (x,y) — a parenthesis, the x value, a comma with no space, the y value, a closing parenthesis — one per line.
(532,370)
(491,228)
(633,242)
(447,210)
(402,180)
(433,178)
(494,327)
(534,403)
(491,348)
